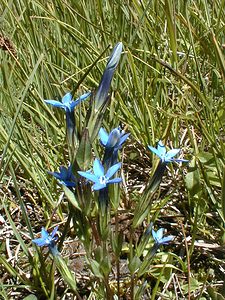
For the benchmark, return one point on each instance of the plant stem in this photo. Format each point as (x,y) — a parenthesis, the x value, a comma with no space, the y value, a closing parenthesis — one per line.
(188,263)
(117,255)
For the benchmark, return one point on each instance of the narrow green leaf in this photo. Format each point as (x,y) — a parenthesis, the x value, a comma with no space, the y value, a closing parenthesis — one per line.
(71,197)
(84,154)
(223,194)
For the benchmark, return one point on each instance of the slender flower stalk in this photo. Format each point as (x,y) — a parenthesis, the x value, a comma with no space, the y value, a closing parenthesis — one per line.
(103,89)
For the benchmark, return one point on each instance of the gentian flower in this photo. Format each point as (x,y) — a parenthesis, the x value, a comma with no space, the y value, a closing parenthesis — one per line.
(166,157)
(103,89)
(67,103)
(100,179)
(47,240)
(65,176)
(159,239)
(113,143)
(114,139)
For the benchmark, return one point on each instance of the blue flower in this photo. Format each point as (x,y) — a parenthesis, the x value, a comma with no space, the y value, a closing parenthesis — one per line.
(113,143)
(166,156)
(47,240)
(100,179)
(65,176)
(114,139)
(67,103)
(103,89)
(159,239)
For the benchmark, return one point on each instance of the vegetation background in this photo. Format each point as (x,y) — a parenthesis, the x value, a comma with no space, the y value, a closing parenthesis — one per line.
(169,85)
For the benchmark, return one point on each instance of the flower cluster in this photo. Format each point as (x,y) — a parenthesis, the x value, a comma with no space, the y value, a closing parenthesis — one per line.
(104,172)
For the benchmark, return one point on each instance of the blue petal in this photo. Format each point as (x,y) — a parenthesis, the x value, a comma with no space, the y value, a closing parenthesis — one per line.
(89,176)
(98,168)
(161,149)
(55,103)
(103,135)
(114,180)
(80,99)
(40,242)
(171,153)
(160,233)
(44,233)
(67,98)
(123,138)
(181,160)
(154,150)
(54,231)
(155,236)
(98,186)
(166,239)
(55,174)
(63,172)
(113,138)
(112,170)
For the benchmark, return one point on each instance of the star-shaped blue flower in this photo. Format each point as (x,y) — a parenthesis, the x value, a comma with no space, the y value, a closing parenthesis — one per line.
(159,239)
(67,103)
(48,240)
(65,176)
(100,179)
(114,139)
(166,157)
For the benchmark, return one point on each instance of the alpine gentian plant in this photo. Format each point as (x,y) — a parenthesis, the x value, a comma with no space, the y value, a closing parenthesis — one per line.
(113,143)
(100,179)
(159,239)
(48,240)
(65,176)
(166,157)
(103,89)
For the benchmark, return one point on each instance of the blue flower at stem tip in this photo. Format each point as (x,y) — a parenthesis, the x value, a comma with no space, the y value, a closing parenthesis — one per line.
(48,240)
(164,156)
(113,143)
(68,104)
(65,176)
(159,239)
(114,139)
(100,179)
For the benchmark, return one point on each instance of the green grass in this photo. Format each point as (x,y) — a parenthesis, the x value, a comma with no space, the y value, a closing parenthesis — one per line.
(169,85)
